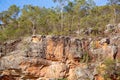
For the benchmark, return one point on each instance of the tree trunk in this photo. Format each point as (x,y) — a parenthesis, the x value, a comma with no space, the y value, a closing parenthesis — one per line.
(114,15)
(79,25)
(62,17)
(33,28)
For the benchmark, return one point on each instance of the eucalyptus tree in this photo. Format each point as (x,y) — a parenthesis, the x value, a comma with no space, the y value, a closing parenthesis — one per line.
(69,9)
(113,4)
(62,4)
(14,14)
(4,17)
(9,16)
(30,14)
(14,11)
(82,9)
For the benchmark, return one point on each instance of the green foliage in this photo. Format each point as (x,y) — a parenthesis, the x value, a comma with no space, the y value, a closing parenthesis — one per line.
(108,62)
(111,68)
(86,58)
(63,79)
(2,36)
(75,15)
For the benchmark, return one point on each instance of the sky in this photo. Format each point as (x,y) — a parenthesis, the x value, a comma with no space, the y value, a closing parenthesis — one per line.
(5,4)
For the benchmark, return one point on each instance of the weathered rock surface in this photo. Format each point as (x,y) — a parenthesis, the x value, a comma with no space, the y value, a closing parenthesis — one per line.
(57,57)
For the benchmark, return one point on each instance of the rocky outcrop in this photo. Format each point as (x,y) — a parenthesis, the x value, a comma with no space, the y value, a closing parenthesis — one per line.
(58,57)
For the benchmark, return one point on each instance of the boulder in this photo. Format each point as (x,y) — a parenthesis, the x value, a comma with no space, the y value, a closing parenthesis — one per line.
(56,70)
(109,27)
(118,26)
(12,60)
(80,73)
(105,40)
(118,55)
(106,51)
(44,68)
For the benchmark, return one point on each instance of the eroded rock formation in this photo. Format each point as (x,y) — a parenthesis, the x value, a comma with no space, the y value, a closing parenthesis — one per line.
(57,57)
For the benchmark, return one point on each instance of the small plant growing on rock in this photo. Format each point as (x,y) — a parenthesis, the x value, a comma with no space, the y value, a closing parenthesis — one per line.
(85,58)
(63,79)
(111,71)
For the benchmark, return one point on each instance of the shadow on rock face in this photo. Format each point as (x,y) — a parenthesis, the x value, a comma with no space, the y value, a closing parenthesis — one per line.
(6,77)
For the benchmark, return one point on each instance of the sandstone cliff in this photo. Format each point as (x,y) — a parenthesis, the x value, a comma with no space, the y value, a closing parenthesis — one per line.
(60,57)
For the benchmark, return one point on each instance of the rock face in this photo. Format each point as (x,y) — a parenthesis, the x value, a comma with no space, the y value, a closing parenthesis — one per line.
(109,28)
(56,57)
